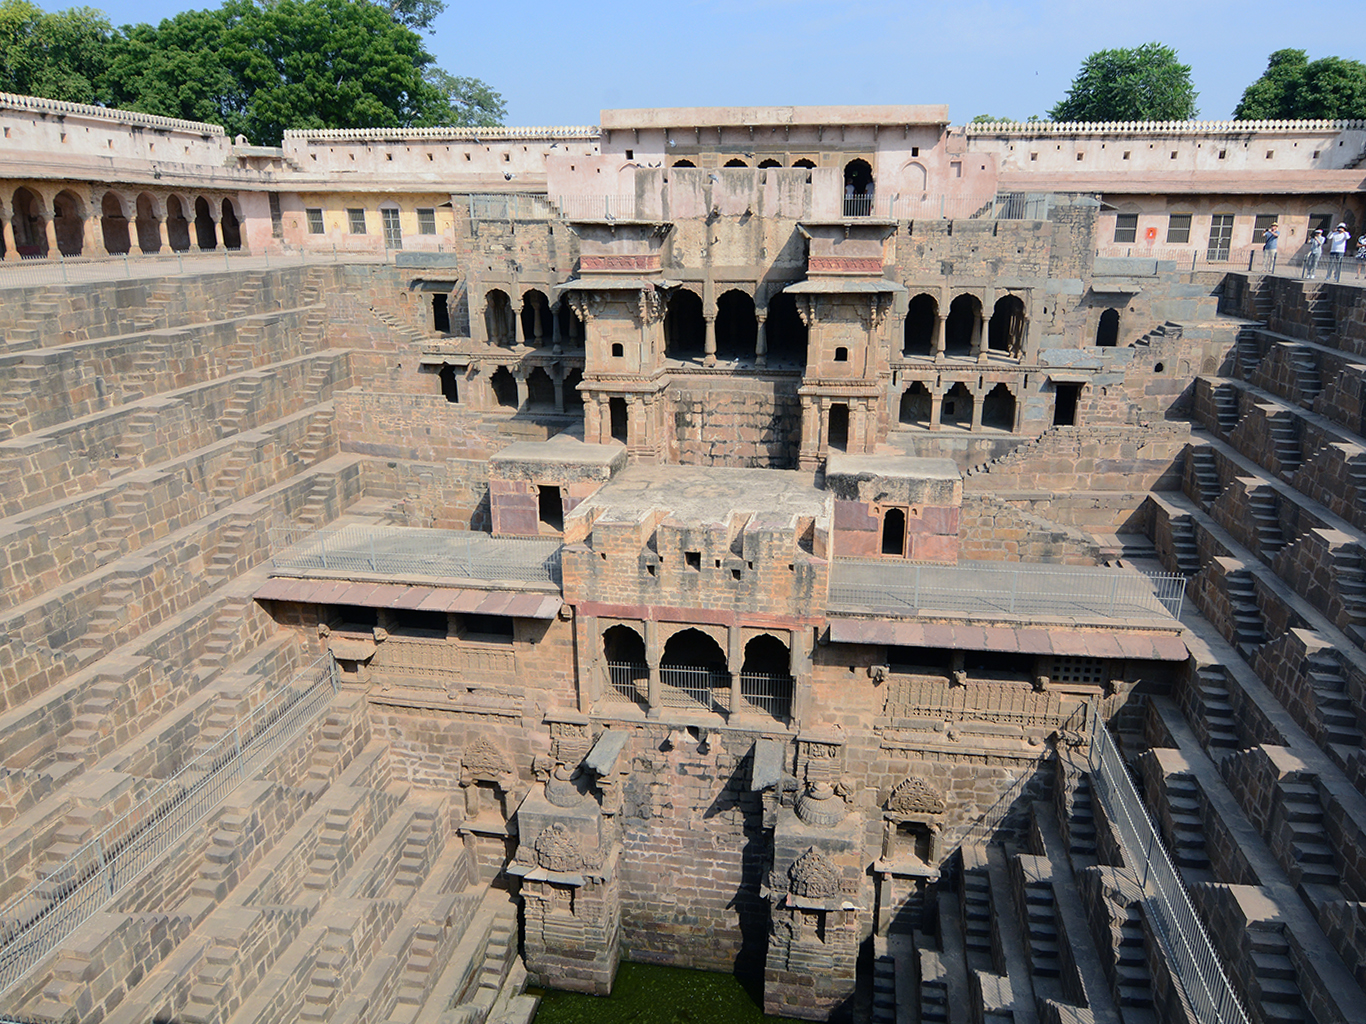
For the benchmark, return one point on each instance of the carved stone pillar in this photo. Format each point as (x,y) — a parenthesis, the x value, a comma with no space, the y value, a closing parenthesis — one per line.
(735,660)
(761,340)
(514,316)
(977,400)
(558,381)
(537,330)
(50,225)
(592,419)
(941,332)
(522,393)
(936,407)
(7,227)
(163,233)
(555,328)
(217,232)
(653,694)
(979,338)
(709,343)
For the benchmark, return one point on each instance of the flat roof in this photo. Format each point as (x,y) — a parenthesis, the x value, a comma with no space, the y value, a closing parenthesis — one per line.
(705,494)
(935,114)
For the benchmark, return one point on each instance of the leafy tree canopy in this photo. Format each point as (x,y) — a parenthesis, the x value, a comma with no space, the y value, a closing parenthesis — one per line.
(1293,86)
(1147,83)
(257,67)
(62,56)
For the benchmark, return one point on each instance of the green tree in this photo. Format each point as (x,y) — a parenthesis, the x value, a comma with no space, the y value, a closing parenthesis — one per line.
(1147,83)
(1293,87)
(464,102)
(416,14)
(62,56)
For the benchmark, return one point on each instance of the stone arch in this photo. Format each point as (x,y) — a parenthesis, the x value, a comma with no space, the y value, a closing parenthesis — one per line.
(806,163)
(917,405)
(682,639)
(858,188)
(231,226)
(913,176)
(685,330)
(498,318)
(922,320)
(956,410)
(785,333)
(768,162)
(894,532)
(767,653)
(622,643)
(965,315)
(737,329)
(766,676)
(68,218)
(114,225)
(535,315)
(684,162)
(30,223)
(998,408)
(735,161)
(504,388)
(1006,329)
(145,220)
(177,224)
(204,233)
(1107,329)
(540,389)
(571,327)
(692,671)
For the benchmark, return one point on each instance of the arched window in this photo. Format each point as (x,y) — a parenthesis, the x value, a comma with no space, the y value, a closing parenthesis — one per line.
(203,224)
(535,316)
(858,188)
(915,406)
(231,227)
(571,327)
(1107,331)
(766,677)
(177,225)
(498,318)
(692,672)
(1005,332)
(69,223)
(736,162)
(956,410)
(736,326)
(785,333)
(769,162)
(627,670)
(922,320)
(114,225)
(149,235)
(894,532)
(683,163)
(573,397)
(998,409)
(965,317)
(30,224)
(685,331)
(540,389)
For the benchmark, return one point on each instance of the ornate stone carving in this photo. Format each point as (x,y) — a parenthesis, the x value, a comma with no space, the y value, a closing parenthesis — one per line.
(820,806)
(482,760)
(638,262)
(845,265)
(917,795)
(812,876)
(651,307)
(562,789)
(557,849)
(586,308)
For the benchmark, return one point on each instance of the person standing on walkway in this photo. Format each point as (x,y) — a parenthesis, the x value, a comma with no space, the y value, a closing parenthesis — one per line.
(1311,257)
(1270,237)
(1361,255)
(1337,249)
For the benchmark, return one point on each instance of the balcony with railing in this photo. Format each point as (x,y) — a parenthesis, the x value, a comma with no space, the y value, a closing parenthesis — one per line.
(1005,591)
(464,558)
(700,689)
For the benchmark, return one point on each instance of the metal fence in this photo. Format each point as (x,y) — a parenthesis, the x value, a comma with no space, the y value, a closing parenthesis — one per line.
(40,270)
(768,692)
(510,206)
(36,922)
(413,551)
(1194,964)
(999,588)
(596,207)
(630,682)
(694,689)
(1290,262)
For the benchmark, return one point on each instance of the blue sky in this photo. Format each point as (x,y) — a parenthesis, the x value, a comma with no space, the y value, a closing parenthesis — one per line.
(560,63)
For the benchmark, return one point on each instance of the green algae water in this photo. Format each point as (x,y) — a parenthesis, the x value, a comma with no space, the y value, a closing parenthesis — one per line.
(647,994)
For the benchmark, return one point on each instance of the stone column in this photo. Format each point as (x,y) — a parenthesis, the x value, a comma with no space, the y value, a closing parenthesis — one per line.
(936,407)
(735,660)
(858,425)
(50,225)
(653,693)
(941,332)
(92,237)
(761,340)
(709,344)
(7,227)
(522,393)
(979,337)
(134,242)
(558,381)
(217,232)
(164,233)
(513,322)
(592,419)
(977,399)
(555,328)
(537,330)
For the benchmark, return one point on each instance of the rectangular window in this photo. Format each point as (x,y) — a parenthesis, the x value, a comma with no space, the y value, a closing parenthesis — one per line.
(1321,220)
(1264,221)
(393,234)
(1126,227)
(493,629)
(1220,236)
(426,222)
(357,221)
(1178,229)
(315,221)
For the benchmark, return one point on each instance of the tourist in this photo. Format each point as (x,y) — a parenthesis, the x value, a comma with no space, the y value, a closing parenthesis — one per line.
(1270,237)
(1337,249)
(1361,255)
(1311,258)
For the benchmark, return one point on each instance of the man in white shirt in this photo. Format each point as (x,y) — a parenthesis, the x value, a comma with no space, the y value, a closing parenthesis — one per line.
(1337,249)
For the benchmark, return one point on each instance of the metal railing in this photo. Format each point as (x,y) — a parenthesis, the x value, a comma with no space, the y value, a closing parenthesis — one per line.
(510,206)
(630,682)
(768,692)
(694,688)
(1194,964)
(30,270)
(37,921)
(1290,261)
(413,551)
(889,587)
(596,207)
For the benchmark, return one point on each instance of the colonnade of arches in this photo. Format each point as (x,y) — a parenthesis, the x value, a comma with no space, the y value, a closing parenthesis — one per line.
(958,404)
(537,389)
(737,330)
(964,330)
(534,320)
(72,222)
(693,671)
